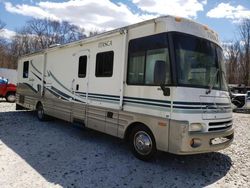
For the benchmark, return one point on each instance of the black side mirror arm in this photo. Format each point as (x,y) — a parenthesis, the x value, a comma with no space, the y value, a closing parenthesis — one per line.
(166,90)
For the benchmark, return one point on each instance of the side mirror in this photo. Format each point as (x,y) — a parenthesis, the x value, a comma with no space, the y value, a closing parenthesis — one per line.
(160,72)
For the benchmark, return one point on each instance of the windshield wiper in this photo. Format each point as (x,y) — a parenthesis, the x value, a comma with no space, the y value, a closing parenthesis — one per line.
(212,82)
(224,75)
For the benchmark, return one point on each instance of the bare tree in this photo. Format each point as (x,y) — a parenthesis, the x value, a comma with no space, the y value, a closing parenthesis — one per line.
(232,52)
(41,33)
(95,32)
(2,41)
(6,59)
(48,32)
(244,31)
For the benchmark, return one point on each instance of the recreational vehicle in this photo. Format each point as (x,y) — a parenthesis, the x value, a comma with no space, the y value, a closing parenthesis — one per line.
(160,84)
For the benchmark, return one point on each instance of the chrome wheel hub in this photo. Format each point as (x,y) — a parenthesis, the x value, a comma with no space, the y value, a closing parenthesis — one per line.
(12,98)
(142,143)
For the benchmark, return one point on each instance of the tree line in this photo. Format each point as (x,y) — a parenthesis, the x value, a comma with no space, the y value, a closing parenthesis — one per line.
(37,34)
(237,56)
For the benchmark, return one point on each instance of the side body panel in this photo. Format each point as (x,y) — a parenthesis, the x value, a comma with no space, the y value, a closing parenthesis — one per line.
(29,87)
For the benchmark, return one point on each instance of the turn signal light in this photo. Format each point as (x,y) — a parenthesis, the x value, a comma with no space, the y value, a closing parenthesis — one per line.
(162,124)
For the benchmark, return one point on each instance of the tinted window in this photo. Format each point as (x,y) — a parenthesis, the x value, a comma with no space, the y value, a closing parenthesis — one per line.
(143,54)
(3,81)
(26,69)
(82,66)
(104,64)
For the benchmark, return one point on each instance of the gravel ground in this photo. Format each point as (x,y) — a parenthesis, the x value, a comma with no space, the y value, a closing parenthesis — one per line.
(55,154)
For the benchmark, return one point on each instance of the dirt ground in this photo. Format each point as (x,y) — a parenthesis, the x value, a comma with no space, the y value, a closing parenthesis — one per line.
(37,154)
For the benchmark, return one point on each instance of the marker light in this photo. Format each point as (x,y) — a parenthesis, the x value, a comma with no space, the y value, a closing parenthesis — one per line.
(177,19)
(205,27)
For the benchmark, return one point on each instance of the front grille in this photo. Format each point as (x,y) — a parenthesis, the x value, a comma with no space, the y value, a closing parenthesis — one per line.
(217,126)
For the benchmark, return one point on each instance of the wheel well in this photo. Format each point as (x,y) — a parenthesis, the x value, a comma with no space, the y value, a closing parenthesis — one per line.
(38,103)
(130,128)
(10,92)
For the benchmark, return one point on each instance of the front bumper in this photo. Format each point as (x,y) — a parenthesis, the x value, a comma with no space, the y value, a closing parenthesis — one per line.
(180,139)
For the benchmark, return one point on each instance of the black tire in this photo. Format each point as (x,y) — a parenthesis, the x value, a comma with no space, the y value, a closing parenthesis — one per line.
(10,97)
(40,113)
(142,143)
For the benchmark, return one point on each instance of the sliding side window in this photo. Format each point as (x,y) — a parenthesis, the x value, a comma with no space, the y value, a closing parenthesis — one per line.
(82,67)
(104,64)
(143,54)
(25,69)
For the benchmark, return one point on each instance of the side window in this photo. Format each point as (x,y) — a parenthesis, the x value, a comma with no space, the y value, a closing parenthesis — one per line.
(143,54)
(3,81)
(82,67)
(136,68)
(104,64)
(153,56)
(25,69)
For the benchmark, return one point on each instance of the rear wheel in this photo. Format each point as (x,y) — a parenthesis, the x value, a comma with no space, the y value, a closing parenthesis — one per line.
(11,97)
(142,143)
(40,113)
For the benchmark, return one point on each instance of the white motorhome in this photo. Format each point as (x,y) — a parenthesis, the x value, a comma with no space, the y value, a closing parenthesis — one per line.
(160,84)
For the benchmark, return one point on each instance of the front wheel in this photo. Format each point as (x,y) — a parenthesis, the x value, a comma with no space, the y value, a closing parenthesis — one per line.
(142,143)
(10,97)
(40,113)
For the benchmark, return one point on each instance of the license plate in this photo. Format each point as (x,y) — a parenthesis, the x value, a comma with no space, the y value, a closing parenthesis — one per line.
(216,141)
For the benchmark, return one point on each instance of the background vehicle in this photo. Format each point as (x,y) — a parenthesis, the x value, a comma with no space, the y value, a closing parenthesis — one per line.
(241,102)
(7,90)
(160,84)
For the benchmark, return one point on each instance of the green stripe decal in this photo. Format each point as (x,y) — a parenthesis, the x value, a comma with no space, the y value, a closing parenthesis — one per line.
(31,63)
(50,74)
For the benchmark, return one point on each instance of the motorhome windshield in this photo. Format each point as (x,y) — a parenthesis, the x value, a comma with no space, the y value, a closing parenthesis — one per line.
(199,62)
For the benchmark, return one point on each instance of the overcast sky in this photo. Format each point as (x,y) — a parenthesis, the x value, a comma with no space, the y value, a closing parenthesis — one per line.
(221,15)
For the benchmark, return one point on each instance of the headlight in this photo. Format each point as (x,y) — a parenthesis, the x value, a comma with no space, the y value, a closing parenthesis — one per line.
(196,127)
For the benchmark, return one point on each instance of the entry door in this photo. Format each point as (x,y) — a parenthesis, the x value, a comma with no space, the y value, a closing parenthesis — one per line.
(80,82)
(80,85)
